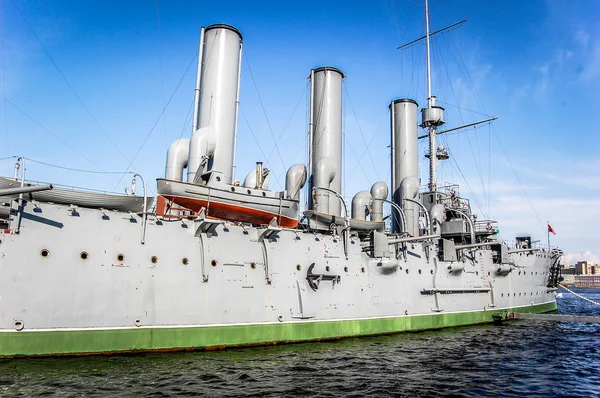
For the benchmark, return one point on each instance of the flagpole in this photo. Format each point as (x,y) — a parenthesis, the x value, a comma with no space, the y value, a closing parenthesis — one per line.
(548,232)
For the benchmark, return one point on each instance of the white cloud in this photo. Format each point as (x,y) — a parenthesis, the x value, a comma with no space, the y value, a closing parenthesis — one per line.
(573,258)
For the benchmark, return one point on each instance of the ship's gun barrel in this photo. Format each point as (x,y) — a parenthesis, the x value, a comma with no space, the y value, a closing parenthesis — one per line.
(367,245)
(20,190)
(473,245)
(523,250)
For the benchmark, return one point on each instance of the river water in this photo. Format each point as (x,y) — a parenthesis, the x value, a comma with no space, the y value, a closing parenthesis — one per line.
(515,359)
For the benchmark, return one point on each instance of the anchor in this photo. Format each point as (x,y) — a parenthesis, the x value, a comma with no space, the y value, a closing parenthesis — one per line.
(315,279)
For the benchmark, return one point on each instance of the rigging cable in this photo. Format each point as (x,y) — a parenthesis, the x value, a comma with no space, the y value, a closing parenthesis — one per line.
(370,141)
(287,123)
(51,133)
(361,133)
(264,112)
(4,78)
(69,84)
(73,169)
(502,146)
(258,143)
(158,119)
(160,62)
(477,163)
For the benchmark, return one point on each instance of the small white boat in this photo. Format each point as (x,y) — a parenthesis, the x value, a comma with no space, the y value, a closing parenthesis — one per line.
(233,203)
(95,200)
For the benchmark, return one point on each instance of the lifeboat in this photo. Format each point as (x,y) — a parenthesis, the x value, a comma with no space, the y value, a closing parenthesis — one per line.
(232,203)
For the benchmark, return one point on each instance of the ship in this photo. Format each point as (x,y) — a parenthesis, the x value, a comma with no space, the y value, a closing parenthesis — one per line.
(217,263)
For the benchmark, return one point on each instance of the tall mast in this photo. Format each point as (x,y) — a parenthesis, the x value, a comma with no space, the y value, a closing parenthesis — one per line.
(432,132)
(428,53)
(433,115)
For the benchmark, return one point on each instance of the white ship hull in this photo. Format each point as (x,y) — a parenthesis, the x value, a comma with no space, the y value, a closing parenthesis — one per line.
(189,289)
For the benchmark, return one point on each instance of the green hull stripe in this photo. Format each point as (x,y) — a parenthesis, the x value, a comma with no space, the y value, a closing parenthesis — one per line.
(73,342)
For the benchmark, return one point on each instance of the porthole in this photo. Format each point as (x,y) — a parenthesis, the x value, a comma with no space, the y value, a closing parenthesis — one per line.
(298,267)
(489,273)
(249,192)
(154,259)
(420,272)
(431,272)
(120,257)
(213,263)
(476,272)
(44,252)
(362,269)
(328,268)
(253,265)
(502,295)
(519,272)
(264,194)
(185,261)
(84,255)
(345,269)
(407,270)
(232,189)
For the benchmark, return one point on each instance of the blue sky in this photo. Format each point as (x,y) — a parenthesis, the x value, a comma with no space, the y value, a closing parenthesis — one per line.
(534,64)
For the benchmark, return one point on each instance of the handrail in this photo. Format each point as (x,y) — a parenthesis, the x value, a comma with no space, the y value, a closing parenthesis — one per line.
(346,217)
(429,226)
(399,210)
(144,209)
(471,226)
(346,230)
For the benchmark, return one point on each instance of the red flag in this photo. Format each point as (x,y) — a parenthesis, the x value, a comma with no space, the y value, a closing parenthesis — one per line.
(550,229)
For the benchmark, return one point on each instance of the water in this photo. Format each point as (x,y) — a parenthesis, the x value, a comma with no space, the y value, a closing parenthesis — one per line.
(515,359)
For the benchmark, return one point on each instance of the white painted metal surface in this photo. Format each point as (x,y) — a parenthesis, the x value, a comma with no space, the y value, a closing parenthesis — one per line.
(214,141)
(405,168)
(326,145)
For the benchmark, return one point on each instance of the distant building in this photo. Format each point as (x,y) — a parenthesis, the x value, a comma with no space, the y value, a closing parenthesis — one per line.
(587,281)
(596,269)
(568,270)
(583,268)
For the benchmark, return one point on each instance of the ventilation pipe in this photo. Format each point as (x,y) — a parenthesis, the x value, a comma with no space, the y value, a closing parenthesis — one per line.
(405,182)
(216,103)
(177,159)
(379,192)
(295,180)
(326,139)
(361,203)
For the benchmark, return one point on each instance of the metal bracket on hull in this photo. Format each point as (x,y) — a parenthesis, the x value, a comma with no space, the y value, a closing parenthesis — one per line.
(269,233)
(206,226)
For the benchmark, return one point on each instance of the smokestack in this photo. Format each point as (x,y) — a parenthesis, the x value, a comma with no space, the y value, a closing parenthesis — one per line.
(405,182)
(215,115)
(326,138)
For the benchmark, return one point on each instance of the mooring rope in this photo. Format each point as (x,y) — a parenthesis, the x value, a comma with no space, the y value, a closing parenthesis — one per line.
(578,295)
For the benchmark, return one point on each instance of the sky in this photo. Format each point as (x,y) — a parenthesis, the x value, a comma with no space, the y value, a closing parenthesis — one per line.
(107,86)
